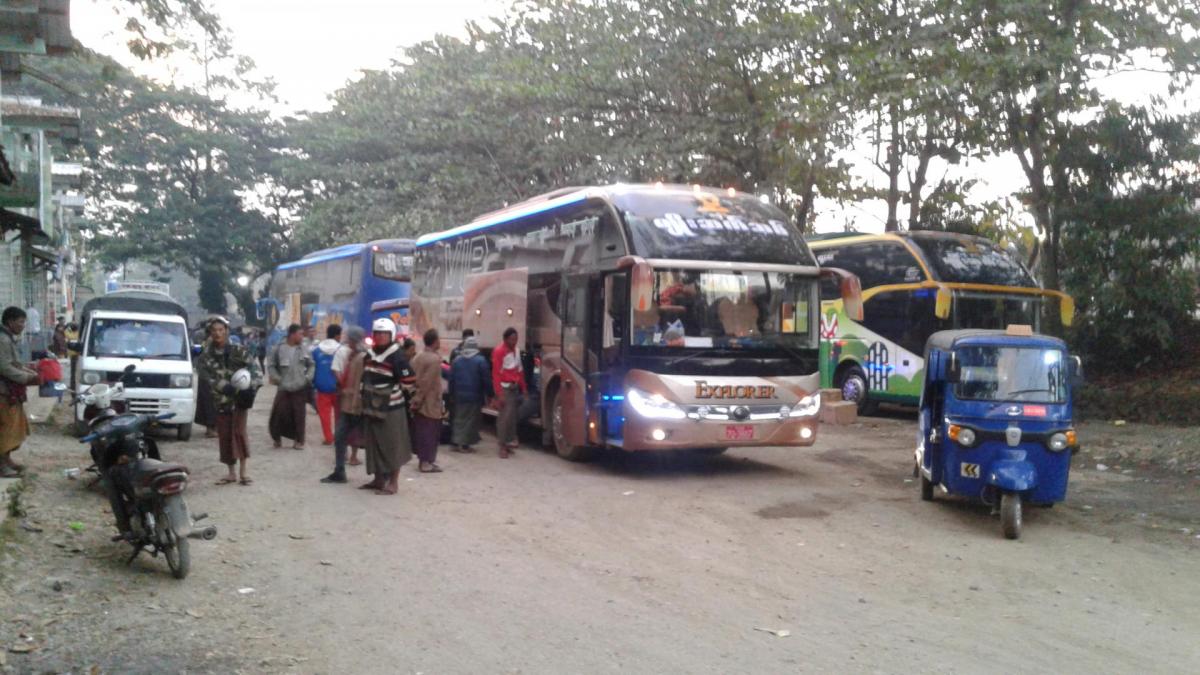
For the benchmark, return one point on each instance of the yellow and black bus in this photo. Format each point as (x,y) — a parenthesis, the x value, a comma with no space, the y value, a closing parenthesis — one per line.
(913,285)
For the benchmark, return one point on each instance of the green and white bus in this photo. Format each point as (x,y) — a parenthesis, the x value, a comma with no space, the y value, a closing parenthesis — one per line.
(913,285)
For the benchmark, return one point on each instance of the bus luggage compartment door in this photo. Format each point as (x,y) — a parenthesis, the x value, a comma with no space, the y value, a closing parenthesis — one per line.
(493,301)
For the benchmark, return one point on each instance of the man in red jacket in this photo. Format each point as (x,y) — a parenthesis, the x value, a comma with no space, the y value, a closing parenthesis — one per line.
(508,378)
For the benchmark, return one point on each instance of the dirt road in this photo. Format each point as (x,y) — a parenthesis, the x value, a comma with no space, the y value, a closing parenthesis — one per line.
(641,564)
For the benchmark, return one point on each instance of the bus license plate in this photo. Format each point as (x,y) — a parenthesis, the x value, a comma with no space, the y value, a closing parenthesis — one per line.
(739,432)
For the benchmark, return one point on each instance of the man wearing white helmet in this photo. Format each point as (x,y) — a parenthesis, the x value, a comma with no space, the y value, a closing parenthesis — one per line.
(233,371)
(387,383)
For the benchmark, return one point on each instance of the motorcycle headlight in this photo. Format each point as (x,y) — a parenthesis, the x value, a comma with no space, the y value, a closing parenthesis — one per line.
(809,405)
(90,377)
(1058,442)
(181,380)
(653,406)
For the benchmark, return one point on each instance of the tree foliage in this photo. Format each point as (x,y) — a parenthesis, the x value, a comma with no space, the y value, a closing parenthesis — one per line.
(170,173)
(1131,233)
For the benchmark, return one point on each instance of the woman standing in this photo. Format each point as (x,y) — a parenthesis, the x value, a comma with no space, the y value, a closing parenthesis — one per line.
(470,385)
(15,375)
(206,412)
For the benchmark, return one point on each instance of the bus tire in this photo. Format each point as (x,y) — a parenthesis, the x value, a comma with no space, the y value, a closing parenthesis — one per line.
(569,452)
(853,384)
(184,431)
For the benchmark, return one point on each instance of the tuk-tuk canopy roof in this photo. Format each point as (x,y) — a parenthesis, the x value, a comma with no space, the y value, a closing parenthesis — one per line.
(947,340)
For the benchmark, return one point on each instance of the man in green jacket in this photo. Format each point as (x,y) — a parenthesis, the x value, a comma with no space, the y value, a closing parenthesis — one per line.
(218,362)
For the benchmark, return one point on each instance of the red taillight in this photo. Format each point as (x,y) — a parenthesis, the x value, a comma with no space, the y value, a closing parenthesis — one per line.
(170,486)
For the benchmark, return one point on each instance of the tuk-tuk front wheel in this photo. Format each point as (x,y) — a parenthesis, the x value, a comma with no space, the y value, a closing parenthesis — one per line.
(926,488)
(1010,514)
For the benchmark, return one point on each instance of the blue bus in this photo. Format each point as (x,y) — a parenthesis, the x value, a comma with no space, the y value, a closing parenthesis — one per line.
(350,285)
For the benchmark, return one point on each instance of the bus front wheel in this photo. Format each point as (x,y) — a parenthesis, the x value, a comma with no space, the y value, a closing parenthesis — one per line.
(853,384)
(564,448)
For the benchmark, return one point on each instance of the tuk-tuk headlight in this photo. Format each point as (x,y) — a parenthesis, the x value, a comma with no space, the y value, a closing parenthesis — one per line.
(1059,442)
(964,436)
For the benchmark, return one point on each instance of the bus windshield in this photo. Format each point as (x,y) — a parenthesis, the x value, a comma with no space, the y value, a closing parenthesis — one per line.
(394,265)
(706,309)
(138,339)
(1011,374)
(687,225)
(973,260)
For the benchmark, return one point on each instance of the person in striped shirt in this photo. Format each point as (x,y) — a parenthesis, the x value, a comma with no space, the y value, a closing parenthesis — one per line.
(387,385)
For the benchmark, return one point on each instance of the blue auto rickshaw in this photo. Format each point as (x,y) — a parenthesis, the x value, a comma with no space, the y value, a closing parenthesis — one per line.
(995,422)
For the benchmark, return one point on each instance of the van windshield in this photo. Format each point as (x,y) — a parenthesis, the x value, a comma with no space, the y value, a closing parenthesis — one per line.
(137,339)
(1012,374)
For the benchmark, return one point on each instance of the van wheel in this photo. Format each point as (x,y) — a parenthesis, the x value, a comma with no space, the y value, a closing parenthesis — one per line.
(184,431)
(853,383)
(573,453)
(1010,515)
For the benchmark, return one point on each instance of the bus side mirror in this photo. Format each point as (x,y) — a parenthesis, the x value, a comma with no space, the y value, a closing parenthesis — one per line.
(1075,369)
(1066,310)
(953,371)
(641,286)
(851,291)
(941,307)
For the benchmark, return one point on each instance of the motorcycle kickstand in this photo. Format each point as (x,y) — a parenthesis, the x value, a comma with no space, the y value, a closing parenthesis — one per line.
(137,550)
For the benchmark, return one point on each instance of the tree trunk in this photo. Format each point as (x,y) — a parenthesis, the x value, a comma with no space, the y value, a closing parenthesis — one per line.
(893,169)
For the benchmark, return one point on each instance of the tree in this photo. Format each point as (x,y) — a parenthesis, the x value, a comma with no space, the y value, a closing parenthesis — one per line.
(1035,66)
(170,173)
(1130,228)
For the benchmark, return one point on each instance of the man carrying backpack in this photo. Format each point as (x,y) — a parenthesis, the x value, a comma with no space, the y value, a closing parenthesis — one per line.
(325,380)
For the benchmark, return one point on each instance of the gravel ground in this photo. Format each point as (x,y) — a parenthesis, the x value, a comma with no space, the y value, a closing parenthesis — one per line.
(765,560)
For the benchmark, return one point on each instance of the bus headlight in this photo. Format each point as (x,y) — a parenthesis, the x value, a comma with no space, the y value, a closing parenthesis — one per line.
(653,406)
(808,406)
(90,377)
(181,380)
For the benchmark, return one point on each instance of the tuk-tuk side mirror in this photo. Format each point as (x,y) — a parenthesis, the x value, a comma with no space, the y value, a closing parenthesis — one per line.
(941,307)
(851,291)
(953,371)
(1075,366)
(75,346)
(1066,310)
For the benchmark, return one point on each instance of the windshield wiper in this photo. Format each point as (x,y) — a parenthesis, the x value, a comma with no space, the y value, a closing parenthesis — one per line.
(678,360)
(169,355)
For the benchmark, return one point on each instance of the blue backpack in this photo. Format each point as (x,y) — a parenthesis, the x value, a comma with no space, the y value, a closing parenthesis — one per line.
(324,379)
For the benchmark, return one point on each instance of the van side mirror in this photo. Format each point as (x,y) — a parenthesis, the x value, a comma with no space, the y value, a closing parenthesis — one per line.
(851,291)
(953,369)
(1075,370)
(942,304)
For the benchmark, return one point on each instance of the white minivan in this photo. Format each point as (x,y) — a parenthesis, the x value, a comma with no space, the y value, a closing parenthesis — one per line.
(148,330)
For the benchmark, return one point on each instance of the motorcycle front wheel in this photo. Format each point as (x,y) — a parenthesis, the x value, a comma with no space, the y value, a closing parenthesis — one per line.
(175,549)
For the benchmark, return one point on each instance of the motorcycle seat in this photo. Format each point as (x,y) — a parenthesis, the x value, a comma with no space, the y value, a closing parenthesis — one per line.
(149,469)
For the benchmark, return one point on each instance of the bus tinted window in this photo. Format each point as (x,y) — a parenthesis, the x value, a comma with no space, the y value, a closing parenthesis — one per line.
(688,225)
(875,264)
(392,265)
(972,260)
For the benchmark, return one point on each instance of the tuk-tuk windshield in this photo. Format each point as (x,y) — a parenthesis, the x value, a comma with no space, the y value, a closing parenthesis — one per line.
(1012,374)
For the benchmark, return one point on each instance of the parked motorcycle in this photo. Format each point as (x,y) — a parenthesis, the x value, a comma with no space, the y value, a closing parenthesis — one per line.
(147,489)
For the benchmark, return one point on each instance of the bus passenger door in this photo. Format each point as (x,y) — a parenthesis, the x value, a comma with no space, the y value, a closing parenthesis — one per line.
(572,390)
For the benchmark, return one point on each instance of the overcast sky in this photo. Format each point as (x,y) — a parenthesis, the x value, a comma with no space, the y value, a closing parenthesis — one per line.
(310,47)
